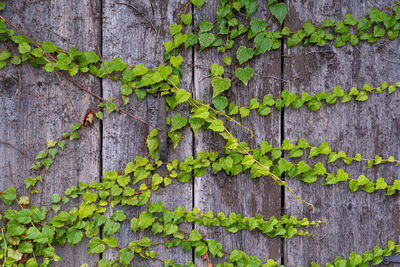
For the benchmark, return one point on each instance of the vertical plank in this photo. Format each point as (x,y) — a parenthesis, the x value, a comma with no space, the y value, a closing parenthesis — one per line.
(33,114)
(239,194)
(136,31)
(357,221)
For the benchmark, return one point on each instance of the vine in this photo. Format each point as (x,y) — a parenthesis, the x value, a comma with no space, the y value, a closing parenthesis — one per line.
(29,232)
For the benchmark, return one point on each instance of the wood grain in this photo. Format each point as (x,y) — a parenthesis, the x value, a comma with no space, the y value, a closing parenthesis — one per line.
(239,194)
(36,107)
(136,31)
(358,221)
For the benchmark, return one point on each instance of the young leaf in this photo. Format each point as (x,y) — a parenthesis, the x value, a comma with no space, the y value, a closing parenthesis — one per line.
(244,74)
(278,10)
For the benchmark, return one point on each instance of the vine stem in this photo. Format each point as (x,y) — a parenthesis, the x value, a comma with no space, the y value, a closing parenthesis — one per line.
(273,176)
(133,250)
(5,244)
(65,75)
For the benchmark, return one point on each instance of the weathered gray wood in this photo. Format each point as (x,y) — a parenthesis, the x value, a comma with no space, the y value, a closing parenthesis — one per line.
(239,194)
(136,31)
(358,221)
(31,116)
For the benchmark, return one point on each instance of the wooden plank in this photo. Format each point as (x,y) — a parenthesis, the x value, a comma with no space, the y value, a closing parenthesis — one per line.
(239,194)
(33,114)
(136,31)
(357,221)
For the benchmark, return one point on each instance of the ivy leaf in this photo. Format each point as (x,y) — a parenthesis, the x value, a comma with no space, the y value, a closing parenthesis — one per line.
(206,39)
(5,54)
(220,103)
(74,236)
(111,227)
(174,28)
(262,44)
(243,54)
(95,245)
(145,220)
(55,198)
(196,123)
(41,155)
(25,247)
(244,74)
(125,255)
(176,61)
(217,126)
(257,25)
(216,70)
(177,122)
(250,6)
(53,152)
(49,47)
(198,3)
(186,19)
(23,216)
(47,162)
(110,106)
(205,26)
(278,10)
(220,85)
(175,137)
(194,235)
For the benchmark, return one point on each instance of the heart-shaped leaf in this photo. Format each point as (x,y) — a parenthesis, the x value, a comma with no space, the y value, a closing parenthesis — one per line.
(243,54)
(220,85)
(244,74)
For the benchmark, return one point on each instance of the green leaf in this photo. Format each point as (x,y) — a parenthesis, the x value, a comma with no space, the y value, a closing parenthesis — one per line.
(174,28)
(216,70)
(250,6)
(49,47)
(244,112)
(198,3)
(177,122)
(205,26)
(257,25)
(53,152)
(74,236)
(47,162)
(175,137)
(145,220)
(206,39)
(220,103)
(125,255)
(110,106)
(23,216)
(186,19)
(244,54)
(217,125)
(194,235)
(25,247)
(195,123)
(5,54)
(176,61)
(95,245)
(262,44)
(278,10)
(9,195)
(55,198)
(220,85)
(244,74)
(24,48)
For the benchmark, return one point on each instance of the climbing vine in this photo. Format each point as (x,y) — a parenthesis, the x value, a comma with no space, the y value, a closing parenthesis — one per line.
(29,233)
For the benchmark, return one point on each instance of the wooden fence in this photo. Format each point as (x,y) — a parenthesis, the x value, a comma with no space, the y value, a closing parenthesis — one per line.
(36,107)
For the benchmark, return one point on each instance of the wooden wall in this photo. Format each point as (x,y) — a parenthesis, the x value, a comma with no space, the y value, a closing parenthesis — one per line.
(36,106)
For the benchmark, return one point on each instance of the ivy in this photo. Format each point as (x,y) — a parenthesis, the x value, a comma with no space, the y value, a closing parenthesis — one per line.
(28,230)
